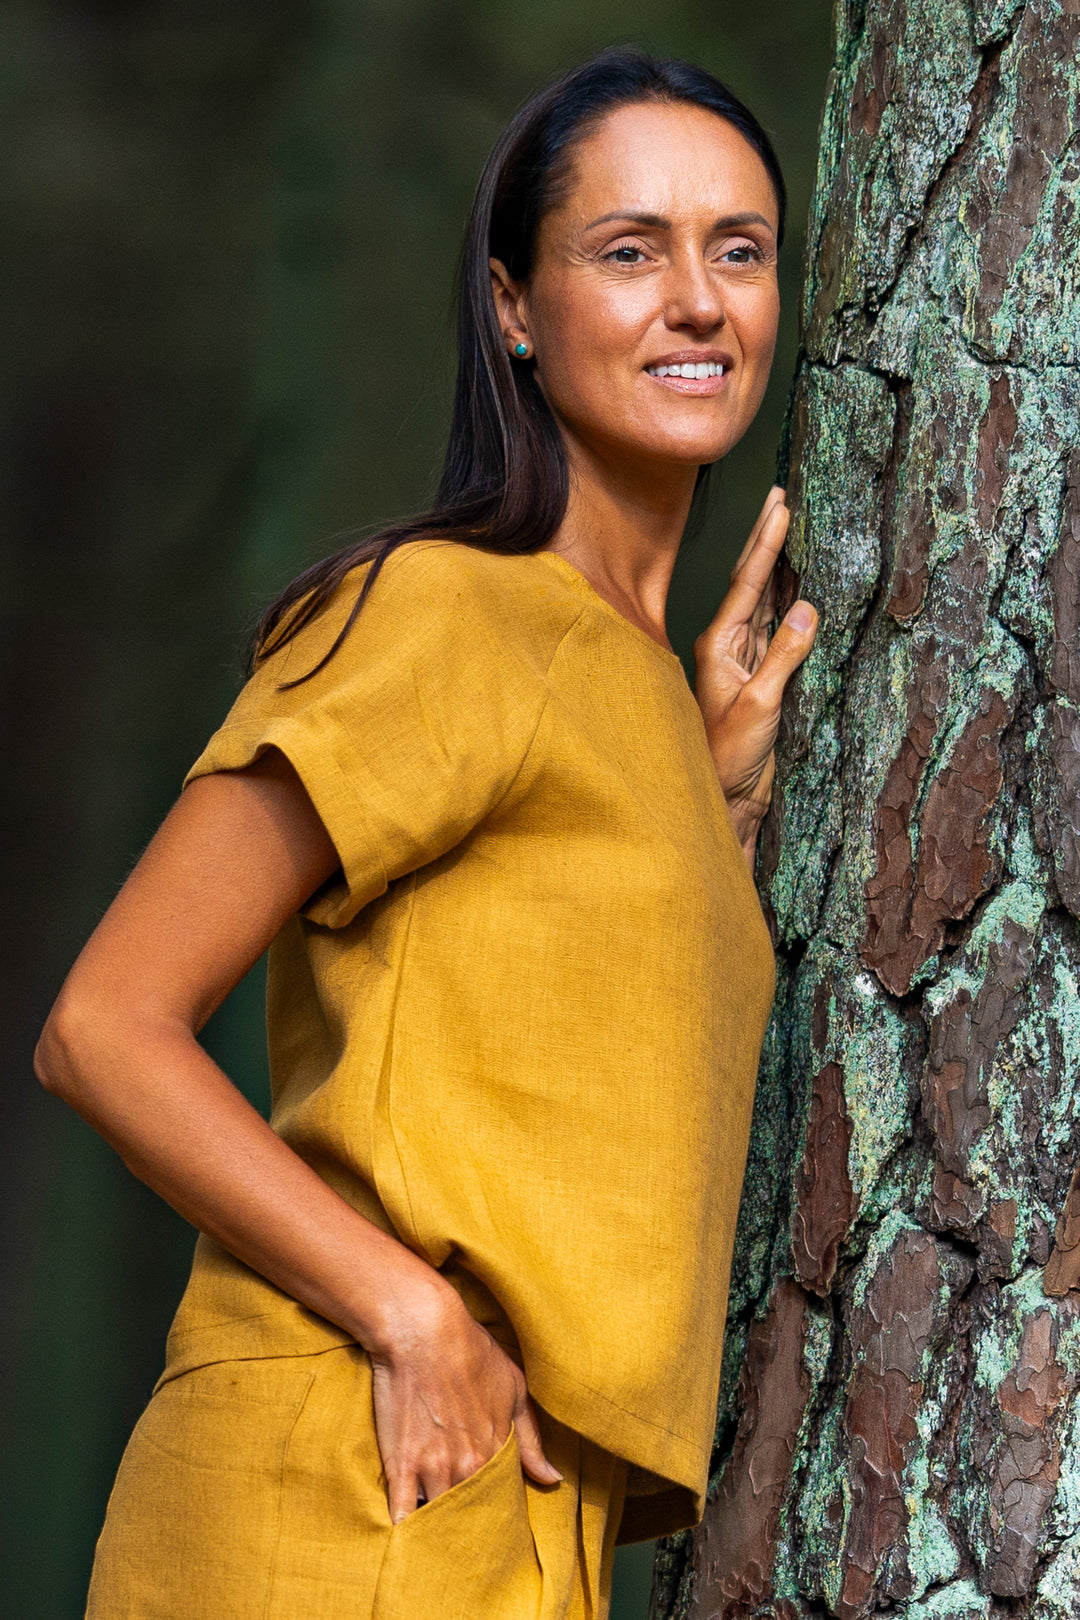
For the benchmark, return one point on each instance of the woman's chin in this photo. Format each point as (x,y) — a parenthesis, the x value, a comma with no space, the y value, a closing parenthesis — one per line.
(650,444)
(693,440)
(692,451)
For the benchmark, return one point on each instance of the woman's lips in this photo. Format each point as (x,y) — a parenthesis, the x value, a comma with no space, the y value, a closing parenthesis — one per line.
(699,386)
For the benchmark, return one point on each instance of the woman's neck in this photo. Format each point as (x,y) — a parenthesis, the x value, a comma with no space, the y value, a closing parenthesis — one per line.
(622,530)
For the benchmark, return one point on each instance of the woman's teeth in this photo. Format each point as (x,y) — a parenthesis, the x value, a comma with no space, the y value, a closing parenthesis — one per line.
(702,368)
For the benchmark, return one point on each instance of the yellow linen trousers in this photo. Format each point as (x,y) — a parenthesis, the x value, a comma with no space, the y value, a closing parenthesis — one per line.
(253,1490)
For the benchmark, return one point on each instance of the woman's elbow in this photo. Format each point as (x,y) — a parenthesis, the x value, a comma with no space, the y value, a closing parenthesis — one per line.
(63,1046)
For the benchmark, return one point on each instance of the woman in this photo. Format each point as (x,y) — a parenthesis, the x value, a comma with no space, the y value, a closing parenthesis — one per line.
(519,975)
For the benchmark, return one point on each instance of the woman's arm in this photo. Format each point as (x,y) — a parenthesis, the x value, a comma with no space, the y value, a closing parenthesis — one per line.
(234,859)
(742,673)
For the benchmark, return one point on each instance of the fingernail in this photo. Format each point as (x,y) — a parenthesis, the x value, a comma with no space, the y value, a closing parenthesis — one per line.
(801,616)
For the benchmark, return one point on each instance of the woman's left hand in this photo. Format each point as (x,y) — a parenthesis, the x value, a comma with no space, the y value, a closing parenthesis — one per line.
(741,673)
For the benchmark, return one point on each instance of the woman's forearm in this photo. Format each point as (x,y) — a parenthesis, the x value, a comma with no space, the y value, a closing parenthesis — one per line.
(182,1127)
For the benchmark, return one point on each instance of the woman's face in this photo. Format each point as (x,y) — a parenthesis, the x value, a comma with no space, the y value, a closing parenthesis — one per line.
(661,254)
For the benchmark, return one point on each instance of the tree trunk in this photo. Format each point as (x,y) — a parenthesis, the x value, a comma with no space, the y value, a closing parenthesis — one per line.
(900,1411)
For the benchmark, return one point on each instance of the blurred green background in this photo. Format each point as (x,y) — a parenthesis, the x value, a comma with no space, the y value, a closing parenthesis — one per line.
(228,235)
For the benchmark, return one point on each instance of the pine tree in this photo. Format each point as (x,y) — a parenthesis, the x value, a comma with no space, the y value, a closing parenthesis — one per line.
(900,1410)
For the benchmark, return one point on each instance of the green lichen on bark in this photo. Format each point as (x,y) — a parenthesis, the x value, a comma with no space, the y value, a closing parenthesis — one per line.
(900,1413)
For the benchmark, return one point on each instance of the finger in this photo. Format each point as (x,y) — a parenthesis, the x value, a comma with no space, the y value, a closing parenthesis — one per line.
(767,547)
(791,643)
(751,593)
(469,1462)
(531,1447)
(777,494)
(434,1478)
(765,612)
(402,1491)
(752,580)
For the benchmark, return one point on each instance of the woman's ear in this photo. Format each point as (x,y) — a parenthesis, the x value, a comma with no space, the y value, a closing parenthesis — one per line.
(509,299)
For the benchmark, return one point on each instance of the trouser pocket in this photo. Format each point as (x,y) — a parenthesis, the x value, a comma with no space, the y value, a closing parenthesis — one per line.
(466,1554)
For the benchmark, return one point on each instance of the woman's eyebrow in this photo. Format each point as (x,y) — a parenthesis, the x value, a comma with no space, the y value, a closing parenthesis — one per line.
(657,221)
(726,222)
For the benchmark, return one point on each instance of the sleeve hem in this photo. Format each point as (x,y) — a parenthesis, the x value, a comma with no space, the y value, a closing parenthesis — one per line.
(334,797)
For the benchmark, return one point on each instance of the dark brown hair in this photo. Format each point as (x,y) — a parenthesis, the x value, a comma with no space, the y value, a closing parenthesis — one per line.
(504,483)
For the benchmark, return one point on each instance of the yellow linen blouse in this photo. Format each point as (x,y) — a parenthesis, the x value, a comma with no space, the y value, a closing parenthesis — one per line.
(520,1028)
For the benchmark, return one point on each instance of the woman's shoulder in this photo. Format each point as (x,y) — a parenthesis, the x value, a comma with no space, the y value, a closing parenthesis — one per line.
(447,585)
(438,602)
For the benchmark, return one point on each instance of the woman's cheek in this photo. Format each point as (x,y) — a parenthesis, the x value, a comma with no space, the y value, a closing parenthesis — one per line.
(762,323)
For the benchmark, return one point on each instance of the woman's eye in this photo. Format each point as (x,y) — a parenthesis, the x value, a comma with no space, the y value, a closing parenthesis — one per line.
(626,253)
(742,253)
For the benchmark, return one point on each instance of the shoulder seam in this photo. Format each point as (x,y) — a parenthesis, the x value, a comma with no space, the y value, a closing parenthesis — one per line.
(574,622)
(539,717)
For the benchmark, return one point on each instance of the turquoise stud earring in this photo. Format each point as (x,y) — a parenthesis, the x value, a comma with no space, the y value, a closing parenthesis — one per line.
(521,350)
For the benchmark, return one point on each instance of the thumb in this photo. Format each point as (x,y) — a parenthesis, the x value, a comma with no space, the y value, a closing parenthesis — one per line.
(531,1448)
(790,644)
(801,619)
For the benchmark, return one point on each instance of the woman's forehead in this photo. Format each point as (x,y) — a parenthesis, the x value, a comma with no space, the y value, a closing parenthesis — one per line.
(663,159)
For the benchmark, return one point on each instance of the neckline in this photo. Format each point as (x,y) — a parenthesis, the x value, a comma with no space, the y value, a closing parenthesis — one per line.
(577,578)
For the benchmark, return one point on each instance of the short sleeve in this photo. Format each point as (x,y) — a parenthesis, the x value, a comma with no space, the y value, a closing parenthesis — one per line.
(412,732)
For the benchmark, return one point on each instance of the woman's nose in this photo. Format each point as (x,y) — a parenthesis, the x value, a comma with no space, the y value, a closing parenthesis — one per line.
(694,298)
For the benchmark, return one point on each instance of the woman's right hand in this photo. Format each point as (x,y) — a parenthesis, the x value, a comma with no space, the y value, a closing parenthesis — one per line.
(446,1395)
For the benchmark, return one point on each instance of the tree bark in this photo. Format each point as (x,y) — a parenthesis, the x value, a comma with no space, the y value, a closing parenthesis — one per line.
(900,1406)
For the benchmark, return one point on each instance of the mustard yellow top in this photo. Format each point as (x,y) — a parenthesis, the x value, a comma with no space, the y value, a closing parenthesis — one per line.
(521,1028)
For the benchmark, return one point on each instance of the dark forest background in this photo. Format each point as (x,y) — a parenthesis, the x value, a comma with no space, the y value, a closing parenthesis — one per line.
(228,230)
